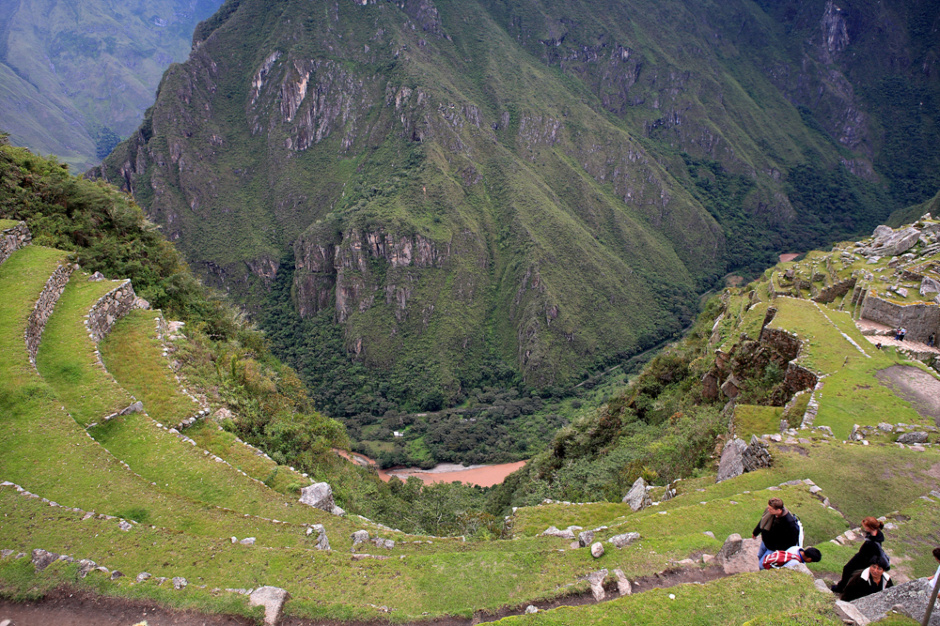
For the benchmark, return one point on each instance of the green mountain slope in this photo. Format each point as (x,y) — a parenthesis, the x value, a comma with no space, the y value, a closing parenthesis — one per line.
(77,76)
(544,185)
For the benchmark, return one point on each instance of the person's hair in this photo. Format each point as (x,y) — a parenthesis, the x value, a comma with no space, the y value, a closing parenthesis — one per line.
(936,553)
(880,561)
(775,503)
(872,522)
(814,554)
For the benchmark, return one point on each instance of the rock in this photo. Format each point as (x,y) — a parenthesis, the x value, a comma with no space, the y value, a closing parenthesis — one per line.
(620,541)
(637,497)
(756,455)
(116,574)
(597,584)
(709,533)
(179,582)
(125,526)
(929,285)
(912,597)
(43,559)
(529,610)
(801,568)
(732,460)
(821,585)
(360,536)
(623,585)
(585,538)
(85,566)
(322,542)
(247,541)
(901,291)
(597,549)
(851,614)
(141,577)
(337,511)
(914,437)
(738,555)
(568,533)
(272,599)
(318,495)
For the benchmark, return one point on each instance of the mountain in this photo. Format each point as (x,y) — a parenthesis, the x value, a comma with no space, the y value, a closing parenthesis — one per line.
(77,76)
(451,194)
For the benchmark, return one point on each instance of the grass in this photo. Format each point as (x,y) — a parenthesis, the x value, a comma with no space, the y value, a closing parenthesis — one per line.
(90,393)
(5,223)
(133,354)
(778,595)
(757,420)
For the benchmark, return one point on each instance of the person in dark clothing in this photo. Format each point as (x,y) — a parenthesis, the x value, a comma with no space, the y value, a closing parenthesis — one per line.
(871,527)
(778,529)
(867,581)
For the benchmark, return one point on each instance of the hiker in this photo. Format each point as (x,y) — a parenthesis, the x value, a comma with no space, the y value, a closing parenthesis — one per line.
(902,334)
(872,579)
(778,529)
(932,339)
(936,556)
(789,558)
(897,333)
(871,529)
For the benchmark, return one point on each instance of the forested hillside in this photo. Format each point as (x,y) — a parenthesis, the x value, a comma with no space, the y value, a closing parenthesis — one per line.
(431,200)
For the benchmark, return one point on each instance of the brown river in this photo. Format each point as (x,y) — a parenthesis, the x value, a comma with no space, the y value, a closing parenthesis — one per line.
(479,475)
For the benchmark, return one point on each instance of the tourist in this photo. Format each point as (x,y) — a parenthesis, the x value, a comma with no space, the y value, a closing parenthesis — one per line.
(789,558)
(936,556)
(902,334)
(778,529)
(871,529)
(897,333)
(872,579)
(931,340)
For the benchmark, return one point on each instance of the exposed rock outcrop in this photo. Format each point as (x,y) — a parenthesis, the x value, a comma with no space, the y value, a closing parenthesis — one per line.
(638,496)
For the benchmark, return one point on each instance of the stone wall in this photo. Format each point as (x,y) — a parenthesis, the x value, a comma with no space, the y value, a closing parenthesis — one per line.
(12,239)
(44,306)
(786,343)
(837,290)
(920,320)
(110,308)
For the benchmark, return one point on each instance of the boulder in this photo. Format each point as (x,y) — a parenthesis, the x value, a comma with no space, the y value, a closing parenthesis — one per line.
(637,497)
(179,582)
(85,566)
(597,584)
(619,541)
(597,549)
(929,285)
(732,460)
(585,538)
(909,598)
(850,614)
(568,533)
(360,536)
(738,555)
(141,577)
(913,438)
(529,610)
(272,599)
(322,542)
(43,559)
(623,585)
(320,496)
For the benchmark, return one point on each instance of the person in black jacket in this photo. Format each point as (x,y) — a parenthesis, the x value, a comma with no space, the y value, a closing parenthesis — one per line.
(867,581)
(871,527)
(778,529)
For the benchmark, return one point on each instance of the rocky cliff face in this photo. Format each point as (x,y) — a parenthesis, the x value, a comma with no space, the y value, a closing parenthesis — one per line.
(481,176)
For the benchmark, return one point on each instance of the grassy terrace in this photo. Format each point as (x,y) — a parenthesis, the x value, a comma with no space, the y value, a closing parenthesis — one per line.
(67,362)
(852,394)
(133,354)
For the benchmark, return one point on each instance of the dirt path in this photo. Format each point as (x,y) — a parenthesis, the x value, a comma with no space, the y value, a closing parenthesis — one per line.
(916,386)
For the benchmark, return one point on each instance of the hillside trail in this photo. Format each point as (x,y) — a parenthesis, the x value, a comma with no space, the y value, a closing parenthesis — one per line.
(65,606)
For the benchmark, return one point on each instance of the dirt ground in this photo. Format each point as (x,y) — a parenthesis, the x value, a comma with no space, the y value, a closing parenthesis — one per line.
(916,386)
